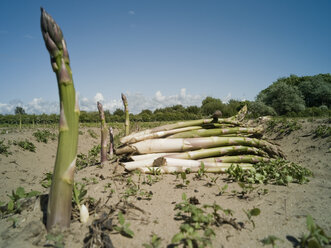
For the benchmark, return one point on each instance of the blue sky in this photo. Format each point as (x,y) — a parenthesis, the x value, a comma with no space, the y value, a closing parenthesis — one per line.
(160,53)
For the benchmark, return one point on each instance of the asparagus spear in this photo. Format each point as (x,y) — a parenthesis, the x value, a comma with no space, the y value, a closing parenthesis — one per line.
(253,159)
(127,119)
(104,134)
(189,144)
(216,132)
(59,204)
(219,151)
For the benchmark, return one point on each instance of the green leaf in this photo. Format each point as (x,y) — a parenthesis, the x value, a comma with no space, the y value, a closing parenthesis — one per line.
(312,243)
(129,232)
(33,193)
(177,238)
(310,223)
(121,218)
(10,205)
(117,228)
(20,192)
(255,212)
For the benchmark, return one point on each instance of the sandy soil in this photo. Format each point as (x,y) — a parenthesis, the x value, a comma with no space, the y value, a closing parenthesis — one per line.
(283,208)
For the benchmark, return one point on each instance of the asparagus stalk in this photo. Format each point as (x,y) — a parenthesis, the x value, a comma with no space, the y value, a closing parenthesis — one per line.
(127,119)
(219,151)
(104,134)
(111,143)
(189,144)
(253,159)
(159,135)
(216,132)
(59,204)
(178,125)
(148,156)
(176,162)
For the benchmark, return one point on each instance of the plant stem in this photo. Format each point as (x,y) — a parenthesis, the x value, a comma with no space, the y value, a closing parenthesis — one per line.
(127,119)
(111,143)
(104,134)
(59,204)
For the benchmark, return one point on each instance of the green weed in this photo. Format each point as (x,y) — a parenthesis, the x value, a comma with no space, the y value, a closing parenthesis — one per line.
(92,134)
(44,135)
(251,213)
(271,240)
(56,239)
(78,194)
(316,238)
(123,227)
(25,145)
(4,148)
(155,242)
(322,131)
(15,203)
(196,229)
(46,182)
(278,171)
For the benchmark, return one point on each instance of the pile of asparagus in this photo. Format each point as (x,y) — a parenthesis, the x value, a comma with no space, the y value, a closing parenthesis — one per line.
(214,144)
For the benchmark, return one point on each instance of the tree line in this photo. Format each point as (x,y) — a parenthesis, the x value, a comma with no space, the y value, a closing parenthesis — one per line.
(288,96)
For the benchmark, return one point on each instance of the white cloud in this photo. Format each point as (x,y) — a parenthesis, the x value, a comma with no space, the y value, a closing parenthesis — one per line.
(137,102)
(159,97)
(131,12)
(227,98)
(98,97)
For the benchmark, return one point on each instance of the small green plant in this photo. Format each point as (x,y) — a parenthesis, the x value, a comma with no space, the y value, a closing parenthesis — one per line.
(95,151)
(150,180)
(90,159)
(190,237)
(155,242)
(78,194)
(44,135)
(251,213)
(46,182)
(56,239)
(277,171)
(92,134)
(185,181)
(195,220)
(81,161)
(271,240)
(14,204)
(222,190)
(123,228)
(322,131)
(15,221)
(316,238)
(201,172)
(26,145)
(246,189)
(283,126)
(4,148)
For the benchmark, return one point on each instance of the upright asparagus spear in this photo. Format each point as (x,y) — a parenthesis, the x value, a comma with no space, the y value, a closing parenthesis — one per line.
(59,204)
(104,134)
(127,119)
(111,142)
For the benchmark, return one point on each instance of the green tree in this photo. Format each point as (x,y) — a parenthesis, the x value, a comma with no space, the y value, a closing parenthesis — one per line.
(19,111)
(282,97)
(210,105)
